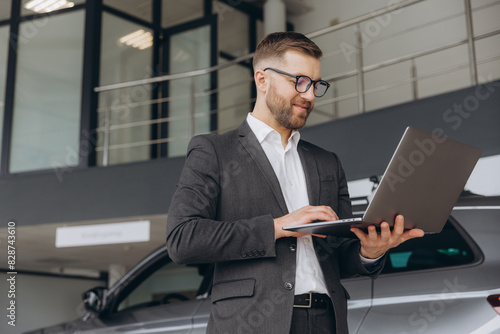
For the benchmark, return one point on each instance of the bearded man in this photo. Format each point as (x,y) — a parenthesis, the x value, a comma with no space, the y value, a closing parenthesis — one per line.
(238,190)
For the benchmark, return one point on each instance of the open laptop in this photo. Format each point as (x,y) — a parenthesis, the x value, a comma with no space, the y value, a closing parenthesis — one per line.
(422,182)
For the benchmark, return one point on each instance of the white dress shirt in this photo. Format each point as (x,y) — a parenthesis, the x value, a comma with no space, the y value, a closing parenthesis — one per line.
(288,169)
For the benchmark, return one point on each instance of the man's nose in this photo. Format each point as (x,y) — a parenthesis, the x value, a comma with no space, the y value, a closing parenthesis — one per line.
(309,94)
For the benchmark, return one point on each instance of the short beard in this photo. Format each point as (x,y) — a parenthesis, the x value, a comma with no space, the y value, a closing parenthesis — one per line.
(282,111)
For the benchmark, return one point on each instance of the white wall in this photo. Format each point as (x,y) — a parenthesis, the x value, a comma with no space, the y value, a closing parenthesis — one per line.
(390,36)
(484,180)
(42,301)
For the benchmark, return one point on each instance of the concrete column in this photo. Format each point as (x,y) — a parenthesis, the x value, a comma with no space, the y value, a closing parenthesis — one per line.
(115,272)
(274,16)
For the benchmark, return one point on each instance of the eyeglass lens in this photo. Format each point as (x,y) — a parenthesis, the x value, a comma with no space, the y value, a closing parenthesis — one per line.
(303,84)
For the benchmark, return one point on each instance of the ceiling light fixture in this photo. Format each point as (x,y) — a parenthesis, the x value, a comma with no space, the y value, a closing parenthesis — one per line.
(47,6)
(139,39)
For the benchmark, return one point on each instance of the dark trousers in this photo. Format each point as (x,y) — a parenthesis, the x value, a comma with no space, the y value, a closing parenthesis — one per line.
(313,321)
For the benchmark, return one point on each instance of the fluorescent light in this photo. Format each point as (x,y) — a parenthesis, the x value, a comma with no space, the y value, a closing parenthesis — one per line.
(47,6)
(32,3)
(139,39)
(59,5)
(132,35)
(44,5)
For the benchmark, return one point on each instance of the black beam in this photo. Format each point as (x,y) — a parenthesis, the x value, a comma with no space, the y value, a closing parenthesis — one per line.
(90,80)
(207,8)
(9,87)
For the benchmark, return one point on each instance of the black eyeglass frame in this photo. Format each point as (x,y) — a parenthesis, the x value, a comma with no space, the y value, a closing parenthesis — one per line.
(297,77)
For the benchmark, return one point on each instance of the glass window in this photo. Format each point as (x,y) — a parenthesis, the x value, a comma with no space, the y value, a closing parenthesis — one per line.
(233,30)
(170,284)
(46,124)
(234,97)
(124,113)
(235,82)
(189,107)
(30,7)
(5,8)
(142,9)
(445,249)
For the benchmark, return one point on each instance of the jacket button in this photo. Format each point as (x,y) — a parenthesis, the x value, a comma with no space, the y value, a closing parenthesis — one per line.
(292,247)
(243,254)
(262,253)
(256,253)
(250,254)
(288,286)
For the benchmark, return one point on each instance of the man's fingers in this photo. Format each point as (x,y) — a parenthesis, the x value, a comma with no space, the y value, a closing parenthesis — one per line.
(302,216)
(414,233)
(326,210)
(360,234)
(372,233)
(399,225)
(385,232)
(320,213)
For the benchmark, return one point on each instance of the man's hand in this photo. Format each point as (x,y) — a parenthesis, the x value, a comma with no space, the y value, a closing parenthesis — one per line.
(302,216)
(374,245)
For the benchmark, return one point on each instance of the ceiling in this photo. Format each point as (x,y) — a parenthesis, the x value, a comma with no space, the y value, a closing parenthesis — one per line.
(36,250)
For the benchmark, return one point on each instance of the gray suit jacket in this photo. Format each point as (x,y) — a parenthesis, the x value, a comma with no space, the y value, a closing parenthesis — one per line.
(222,212)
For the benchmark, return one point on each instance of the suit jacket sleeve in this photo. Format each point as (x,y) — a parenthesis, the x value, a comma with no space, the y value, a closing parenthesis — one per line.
(194,235)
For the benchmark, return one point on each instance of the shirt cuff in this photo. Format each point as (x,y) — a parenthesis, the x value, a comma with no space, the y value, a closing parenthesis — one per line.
(369,262)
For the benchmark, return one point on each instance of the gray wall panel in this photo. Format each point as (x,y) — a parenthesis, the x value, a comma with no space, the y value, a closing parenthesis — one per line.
(365,144)
(85,194)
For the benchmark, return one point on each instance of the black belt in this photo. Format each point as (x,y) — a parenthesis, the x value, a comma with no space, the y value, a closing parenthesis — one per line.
(312,300)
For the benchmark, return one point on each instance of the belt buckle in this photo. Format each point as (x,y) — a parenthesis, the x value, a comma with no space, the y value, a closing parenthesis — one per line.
(310,302)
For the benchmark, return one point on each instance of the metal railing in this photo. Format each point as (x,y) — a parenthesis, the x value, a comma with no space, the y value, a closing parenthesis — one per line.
(359,73)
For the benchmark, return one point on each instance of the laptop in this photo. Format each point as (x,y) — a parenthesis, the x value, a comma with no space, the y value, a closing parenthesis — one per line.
(422,182)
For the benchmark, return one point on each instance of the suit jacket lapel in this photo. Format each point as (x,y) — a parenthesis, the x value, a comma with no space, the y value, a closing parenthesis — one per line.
(252,146)
(311,173)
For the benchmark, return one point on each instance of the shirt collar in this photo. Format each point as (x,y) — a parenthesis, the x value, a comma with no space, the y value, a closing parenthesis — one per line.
(262,131)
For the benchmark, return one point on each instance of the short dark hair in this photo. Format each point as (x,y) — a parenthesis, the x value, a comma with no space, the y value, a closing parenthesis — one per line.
(276,44)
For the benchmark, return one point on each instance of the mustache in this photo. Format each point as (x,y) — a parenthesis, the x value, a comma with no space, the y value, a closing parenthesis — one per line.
(303,103)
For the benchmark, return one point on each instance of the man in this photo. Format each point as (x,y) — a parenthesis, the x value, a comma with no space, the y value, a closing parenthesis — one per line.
(238,190)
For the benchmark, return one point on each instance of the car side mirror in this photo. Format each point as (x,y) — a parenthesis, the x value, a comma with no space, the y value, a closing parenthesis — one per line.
(94,299)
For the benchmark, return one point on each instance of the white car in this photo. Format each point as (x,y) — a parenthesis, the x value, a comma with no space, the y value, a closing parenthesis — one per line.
(442,283)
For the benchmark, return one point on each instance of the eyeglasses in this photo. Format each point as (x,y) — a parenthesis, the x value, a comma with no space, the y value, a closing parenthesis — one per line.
(303,83)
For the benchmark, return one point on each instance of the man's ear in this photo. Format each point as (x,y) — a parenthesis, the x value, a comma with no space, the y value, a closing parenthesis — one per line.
(261,80)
